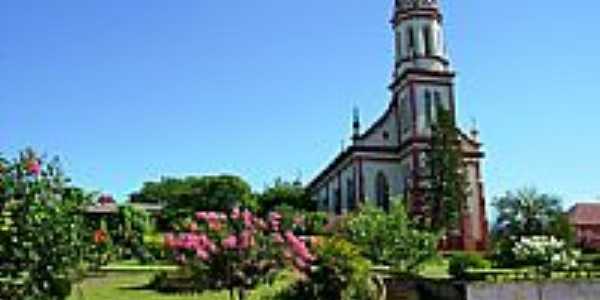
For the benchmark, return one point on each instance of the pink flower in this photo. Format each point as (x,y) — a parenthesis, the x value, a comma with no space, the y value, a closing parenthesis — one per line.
(235,214)
(230,242)
(33,167)
(248,218)
(212,216)
(298,247)
(202,254)
(201,215)
(215,225)
(274,216)
(300,264)
(246,240)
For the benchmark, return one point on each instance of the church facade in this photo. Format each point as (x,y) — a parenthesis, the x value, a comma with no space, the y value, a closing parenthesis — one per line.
(388,159)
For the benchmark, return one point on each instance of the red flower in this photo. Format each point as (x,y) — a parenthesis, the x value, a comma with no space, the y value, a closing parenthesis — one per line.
(100,237)
(33,167)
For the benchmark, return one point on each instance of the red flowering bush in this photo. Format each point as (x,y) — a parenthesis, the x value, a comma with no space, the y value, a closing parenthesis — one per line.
(237,250)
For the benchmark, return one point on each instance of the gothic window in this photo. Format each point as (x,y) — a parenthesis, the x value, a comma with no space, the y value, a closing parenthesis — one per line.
(427,39)
(386,135)
(337,196)
(383,192)
(351,195)
(428,107)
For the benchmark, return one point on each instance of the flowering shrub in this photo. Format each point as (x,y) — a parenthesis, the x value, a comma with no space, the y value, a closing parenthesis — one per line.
(237,250)
(41,233)
(546,253)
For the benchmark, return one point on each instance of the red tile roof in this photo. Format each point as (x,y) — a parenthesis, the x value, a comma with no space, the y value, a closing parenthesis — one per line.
(585,214)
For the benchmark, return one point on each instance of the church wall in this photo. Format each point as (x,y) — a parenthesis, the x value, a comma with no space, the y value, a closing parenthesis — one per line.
(473,199)
(392,171)
(386,128)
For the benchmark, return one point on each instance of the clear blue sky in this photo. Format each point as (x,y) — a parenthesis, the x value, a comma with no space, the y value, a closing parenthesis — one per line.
(127,91)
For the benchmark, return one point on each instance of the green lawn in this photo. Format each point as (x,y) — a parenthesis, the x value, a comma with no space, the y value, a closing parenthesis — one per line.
(130,286)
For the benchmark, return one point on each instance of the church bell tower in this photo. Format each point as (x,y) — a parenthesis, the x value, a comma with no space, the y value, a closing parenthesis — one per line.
(422,81)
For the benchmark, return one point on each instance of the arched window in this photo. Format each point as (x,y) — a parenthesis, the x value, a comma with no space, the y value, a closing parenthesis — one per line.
(383,192)
(351,194)
(428,108)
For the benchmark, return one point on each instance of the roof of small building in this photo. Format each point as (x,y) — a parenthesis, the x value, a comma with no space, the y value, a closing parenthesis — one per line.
(112,208)
(585,214)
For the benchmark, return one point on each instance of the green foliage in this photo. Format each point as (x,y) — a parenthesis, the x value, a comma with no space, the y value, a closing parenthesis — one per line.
(340,273)
(315,223)
(41,229)
(461,262)
(447,193)
(390,239)
(183,197)
(526,213)
(284,193)
(129,235)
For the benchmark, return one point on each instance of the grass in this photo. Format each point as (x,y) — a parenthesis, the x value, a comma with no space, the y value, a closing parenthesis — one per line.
(131,286)
(436,268)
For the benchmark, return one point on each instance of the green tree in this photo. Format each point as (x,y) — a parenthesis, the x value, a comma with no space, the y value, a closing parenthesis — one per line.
(446,195)
(390,238)
(284,193)
(184,196)
(527,213)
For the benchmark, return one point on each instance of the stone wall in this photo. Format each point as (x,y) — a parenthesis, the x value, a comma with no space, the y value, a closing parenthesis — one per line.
(447,290)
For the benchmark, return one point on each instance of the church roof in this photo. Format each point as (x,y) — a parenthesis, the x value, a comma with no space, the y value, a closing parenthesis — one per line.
(585,214)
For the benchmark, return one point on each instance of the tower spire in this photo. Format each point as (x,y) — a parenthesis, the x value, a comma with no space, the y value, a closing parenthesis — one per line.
(355,124)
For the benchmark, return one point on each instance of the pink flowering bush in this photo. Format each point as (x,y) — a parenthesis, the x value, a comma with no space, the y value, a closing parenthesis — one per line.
(237,250)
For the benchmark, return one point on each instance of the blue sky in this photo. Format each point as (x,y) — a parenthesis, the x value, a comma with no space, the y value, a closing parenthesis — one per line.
(127,91)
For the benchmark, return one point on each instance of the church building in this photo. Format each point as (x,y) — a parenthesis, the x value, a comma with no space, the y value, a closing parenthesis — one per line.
(388,159)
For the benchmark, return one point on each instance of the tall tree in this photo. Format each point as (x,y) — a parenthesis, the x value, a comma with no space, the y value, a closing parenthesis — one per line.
(446,192)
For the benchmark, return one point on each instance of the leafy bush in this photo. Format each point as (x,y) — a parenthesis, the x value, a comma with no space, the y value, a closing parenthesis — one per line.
(461,262)
(340,273)
(41,229)
(389,239)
